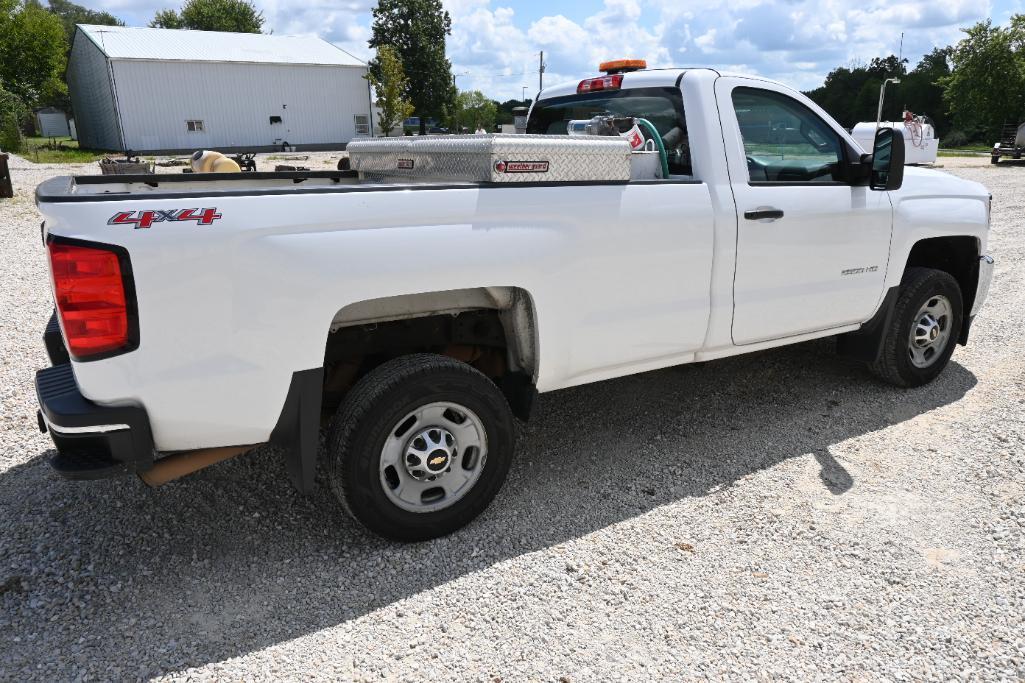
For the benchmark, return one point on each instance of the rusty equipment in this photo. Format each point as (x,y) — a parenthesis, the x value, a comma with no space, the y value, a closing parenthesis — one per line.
(178,465)
(6,187)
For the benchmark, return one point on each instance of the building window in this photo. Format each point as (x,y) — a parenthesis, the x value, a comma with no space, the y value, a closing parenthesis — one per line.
(275,119)
(194,126)
(362,124)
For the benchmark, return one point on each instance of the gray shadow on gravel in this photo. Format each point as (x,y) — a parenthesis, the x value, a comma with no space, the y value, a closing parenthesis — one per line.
(119,581)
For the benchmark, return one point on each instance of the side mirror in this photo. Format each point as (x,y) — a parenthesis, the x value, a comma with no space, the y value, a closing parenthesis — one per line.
(887,160)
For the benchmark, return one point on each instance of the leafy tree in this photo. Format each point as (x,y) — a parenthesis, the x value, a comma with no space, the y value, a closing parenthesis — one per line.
(921,91)
(71,14)
(986,86)
(851,94)
(13,114)
(33,49)
(390,84)
(233,16)
(505,109)
(416,29)
(474,111)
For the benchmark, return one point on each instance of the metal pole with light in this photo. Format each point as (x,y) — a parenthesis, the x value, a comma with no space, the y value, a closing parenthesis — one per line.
(882,95)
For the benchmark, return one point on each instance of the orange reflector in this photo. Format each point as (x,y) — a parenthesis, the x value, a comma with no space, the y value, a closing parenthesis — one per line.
(619,66)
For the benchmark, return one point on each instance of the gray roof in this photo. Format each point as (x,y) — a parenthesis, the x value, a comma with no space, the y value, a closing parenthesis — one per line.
(121,42)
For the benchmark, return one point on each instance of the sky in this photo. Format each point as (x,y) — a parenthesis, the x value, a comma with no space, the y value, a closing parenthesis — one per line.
(494,45)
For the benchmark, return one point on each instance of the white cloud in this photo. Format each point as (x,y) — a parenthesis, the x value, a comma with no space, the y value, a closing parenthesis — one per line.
(494,46)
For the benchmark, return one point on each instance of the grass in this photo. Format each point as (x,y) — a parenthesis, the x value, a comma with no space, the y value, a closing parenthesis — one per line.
(57,151)
(963,152)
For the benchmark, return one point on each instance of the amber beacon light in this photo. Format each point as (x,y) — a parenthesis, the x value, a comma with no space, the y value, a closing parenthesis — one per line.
(622,66)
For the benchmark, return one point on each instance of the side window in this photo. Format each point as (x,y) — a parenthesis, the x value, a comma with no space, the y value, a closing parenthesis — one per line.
(662,107)
(784,140)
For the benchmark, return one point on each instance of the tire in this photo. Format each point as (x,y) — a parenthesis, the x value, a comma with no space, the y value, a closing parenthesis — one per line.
(994,159)
(387,471)
(911,356)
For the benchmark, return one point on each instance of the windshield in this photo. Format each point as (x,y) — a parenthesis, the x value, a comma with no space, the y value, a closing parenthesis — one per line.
(663,107)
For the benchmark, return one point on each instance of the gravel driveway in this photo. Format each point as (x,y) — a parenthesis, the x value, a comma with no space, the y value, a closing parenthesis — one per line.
(778,515)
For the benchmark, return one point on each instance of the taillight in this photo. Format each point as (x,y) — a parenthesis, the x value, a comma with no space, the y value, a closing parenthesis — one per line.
(612,82)
(89,289)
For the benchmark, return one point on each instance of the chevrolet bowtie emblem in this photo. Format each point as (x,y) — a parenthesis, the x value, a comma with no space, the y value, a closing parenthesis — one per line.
(437,461)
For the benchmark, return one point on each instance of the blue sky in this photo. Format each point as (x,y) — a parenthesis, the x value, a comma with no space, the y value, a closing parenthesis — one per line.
(494,44)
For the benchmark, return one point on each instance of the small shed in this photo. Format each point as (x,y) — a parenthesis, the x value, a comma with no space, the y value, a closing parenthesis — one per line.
(52,123)
(165,91)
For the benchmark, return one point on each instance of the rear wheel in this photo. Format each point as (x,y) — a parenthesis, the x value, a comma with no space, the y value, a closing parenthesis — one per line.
(923,330)
(420,447)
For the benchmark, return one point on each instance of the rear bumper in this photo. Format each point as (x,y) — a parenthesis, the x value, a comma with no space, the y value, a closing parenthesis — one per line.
(93,441)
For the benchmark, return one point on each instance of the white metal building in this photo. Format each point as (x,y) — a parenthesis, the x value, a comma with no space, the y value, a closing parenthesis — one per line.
(52,123)
(153,90)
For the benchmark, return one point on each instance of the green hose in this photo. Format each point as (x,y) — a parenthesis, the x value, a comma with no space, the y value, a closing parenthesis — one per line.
(653,132)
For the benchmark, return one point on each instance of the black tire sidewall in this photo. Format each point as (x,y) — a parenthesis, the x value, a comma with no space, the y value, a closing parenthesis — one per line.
(930,284)
(357,460)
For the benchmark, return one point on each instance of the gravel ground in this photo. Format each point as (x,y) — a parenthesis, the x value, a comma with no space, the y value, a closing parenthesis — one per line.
(779,515)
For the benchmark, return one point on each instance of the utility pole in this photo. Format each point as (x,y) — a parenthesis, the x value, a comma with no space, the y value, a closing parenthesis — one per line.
(541,72)
(524,98)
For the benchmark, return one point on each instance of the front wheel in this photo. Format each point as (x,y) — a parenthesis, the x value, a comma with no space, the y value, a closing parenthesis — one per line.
(923,330)
(420,447)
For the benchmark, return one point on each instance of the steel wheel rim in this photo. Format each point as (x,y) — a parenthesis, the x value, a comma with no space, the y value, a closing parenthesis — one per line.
(930,331)
(433,457)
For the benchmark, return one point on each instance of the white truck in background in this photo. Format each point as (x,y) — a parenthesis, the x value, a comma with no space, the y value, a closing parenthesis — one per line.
(198,316)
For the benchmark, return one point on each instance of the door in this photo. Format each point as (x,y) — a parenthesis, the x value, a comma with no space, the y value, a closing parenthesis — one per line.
(811,249)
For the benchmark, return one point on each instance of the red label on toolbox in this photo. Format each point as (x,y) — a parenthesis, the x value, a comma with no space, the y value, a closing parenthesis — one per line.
(405,164)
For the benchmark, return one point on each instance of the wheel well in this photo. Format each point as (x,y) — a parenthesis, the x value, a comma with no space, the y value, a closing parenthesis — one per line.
(958,256)
(489,328)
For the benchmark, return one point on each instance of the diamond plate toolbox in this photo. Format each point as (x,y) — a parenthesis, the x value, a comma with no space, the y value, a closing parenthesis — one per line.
(492,158)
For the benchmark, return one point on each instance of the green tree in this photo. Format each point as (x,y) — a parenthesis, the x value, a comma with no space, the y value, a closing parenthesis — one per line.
(33,50)
(474,110)
(851,94)
(505,109)
(986,85)
(390,84)
(921,91)
(71,14)
(233,16)
(13,114)
(416,30)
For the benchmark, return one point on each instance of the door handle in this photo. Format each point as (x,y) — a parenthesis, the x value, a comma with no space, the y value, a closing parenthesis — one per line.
(762,214)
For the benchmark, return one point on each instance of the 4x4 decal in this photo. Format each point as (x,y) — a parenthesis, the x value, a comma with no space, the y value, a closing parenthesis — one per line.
(145,219)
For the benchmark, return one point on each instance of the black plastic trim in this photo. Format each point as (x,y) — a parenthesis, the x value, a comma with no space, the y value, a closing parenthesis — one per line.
(131,302)
(54,341)
(866,344)
(298,427)
(520,392)
(966,328)
(166,178)
(91,455)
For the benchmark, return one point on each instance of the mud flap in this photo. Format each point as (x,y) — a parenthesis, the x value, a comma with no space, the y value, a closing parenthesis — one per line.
(298,427)
(867,343)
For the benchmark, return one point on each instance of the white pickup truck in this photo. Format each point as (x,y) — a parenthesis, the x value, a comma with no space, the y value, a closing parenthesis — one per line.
(198,316)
